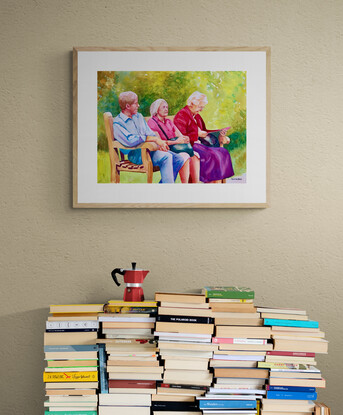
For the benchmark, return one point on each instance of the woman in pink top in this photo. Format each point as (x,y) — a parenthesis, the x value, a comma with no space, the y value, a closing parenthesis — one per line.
(167,131)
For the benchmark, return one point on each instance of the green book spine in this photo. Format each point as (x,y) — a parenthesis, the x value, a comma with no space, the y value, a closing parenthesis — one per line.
(229,293)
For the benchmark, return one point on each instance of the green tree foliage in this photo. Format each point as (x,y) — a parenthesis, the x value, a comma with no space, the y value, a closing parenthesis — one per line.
(225,91)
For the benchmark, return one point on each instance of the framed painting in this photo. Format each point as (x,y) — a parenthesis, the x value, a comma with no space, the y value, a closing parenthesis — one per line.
(171,128)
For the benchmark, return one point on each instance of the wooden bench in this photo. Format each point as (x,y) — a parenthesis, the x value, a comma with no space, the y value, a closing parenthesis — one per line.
(119,162)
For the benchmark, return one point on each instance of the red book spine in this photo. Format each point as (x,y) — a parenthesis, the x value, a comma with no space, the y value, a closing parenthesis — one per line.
(221,340)
(299,354)
(141,384)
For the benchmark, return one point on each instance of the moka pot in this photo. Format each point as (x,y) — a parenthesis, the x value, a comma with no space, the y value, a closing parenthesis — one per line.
(133,279)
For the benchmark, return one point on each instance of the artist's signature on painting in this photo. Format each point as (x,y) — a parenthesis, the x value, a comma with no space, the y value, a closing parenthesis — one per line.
(238,179)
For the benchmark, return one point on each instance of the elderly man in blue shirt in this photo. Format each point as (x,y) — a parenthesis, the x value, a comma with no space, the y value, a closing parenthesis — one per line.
(130,129)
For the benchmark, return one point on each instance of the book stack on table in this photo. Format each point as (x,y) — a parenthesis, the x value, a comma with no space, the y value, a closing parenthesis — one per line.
(184,328)
(161,358)
(71,354)
(132,366)
(243,342)
(294,376)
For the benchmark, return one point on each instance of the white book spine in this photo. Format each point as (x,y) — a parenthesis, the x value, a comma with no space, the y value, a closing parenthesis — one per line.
(242,341)
(128,319)
(238,357)
(84,324)
(238,391)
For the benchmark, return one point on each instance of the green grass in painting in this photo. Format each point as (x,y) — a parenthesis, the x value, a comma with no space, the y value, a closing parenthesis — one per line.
(239,160)
(104,167)
(238,156)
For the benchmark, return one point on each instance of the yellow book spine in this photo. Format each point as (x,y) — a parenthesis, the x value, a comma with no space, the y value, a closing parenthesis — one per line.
(70,376)
(258,407)
(133,303)
(75,305)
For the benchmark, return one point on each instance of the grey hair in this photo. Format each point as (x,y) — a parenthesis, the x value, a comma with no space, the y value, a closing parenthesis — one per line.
(127,97)
(156,105)
(196,98)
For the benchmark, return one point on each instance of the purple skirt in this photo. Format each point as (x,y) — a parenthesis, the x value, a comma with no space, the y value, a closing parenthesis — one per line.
(215,163)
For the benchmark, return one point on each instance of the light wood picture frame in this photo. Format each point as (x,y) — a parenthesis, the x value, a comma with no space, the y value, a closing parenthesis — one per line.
(236,82)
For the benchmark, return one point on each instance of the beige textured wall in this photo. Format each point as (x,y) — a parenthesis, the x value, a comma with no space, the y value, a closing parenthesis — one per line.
(291,253)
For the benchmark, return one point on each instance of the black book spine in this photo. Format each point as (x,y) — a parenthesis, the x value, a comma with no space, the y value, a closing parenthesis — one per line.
(174,406)
(122,310)
(185,319)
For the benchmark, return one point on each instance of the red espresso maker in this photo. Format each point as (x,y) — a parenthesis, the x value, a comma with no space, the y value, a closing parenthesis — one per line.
(134,279)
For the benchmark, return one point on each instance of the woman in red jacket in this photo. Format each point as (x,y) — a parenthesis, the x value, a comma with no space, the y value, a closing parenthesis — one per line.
(215,161)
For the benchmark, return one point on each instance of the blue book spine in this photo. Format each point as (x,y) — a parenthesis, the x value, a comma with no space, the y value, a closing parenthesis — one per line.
(291,323)
(291,395)
(291,389)
(227,404)
(103,381)
(72,348)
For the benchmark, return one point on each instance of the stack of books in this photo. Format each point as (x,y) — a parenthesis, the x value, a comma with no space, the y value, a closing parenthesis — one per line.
(184,328)
(128,320)
(233,306)
(294,376)
(132,367)
(321,409)
(71,354)
(243,342)
(140,359)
